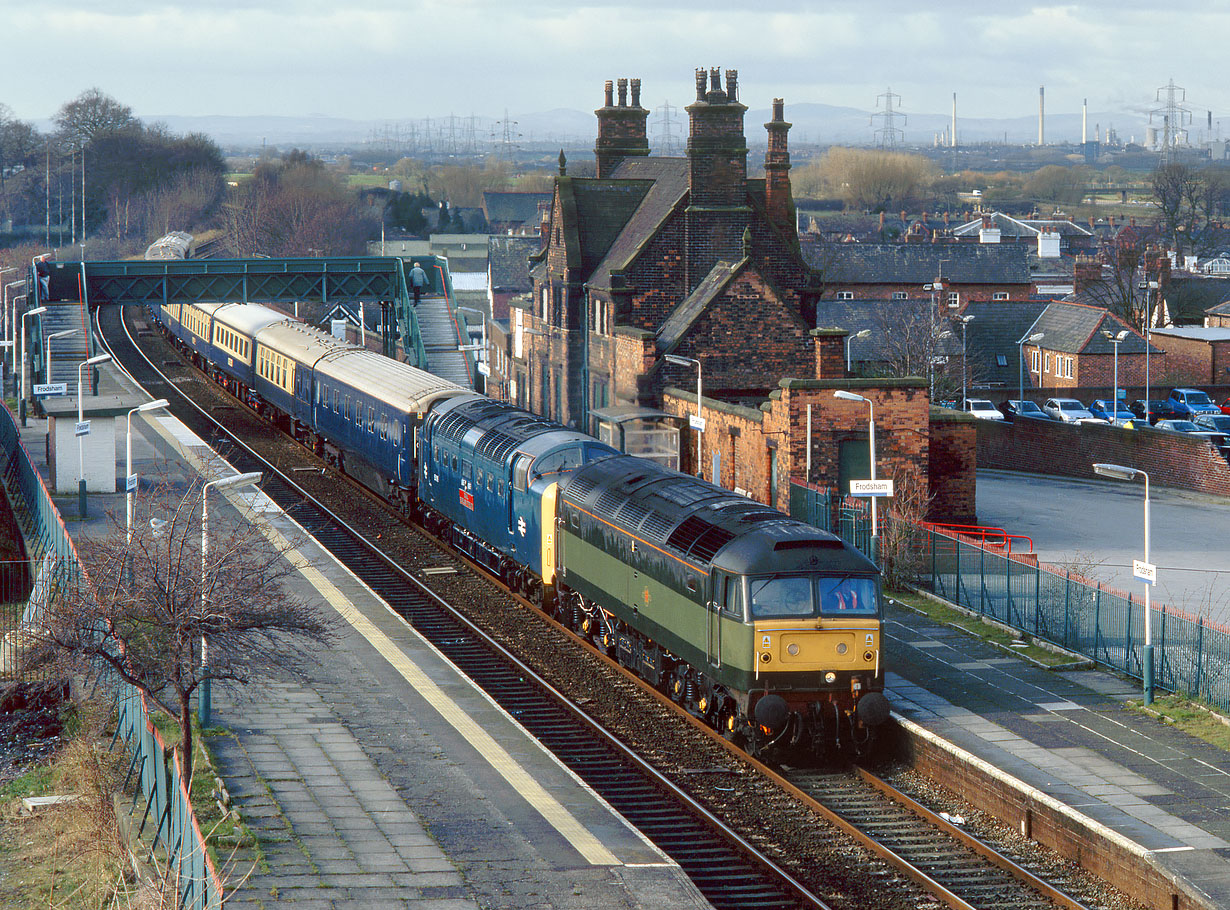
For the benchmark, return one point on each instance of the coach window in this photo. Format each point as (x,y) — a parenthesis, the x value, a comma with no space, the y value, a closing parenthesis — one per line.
(732,602)
(371,419)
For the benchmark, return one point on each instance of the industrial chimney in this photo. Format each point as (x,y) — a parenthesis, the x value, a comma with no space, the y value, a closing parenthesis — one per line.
(1041,114)
(954,119)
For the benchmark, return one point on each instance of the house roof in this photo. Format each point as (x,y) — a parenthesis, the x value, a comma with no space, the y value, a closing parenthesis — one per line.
(876,316)
(1188,299)
(1194,332)
(1023,227)
(669,185)
(920,263)
(995,333)
(594,212)
(684,316)
(512,208)
(508,261)
(1076,328)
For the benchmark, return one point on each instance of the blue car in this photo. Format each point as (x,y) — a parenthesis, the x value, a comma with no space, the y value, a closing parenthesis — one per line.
(1101,408)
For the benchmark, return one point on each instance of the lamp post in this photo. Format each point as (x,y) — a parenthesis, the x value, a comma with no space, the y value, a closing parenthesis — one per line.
(50,338)
(1116,340)
(699,425)
(965,321)
(871,437)
(101,358)
(1029,339)
(11,328)
(235,480)
(1119,472)
(483,362)
(130,480)
(21,404)
(5,301)
(863,334)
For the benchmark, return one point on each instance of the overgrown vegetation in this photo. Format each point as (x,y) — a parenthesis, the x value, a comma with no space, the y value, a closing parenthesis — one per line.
(1191,718)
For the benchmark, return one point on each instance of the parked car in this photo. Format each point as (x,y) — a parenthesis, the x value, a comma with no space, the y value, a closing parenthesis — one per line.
(1069,410)
(1225,406)
(1215,438)
(1219,423)
(1158,410)
(1190,402)
(1101,409)
(1016,407)
(982,409)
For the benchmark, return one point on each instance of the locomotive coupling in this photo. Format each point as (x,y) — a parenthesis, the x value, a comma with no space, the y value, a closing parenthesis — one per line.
(872,709)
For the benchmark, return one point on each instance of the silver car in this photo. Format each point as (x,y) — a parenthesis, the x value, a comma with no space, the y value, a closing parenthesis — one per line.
(1069,410)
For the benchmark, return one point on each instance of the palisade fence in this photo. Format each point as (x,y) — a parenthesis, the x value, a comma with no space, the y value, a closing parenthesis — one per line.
(1105,625)
(59,573)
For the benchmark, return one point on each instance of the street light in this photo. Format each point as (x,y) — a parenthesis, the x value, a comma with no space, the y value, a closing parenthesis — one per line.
(21,405)
(871,436)
(11,326)
(863,334)
(679,361)
(1116,340)
(965,321)
(1119,472)
(1030,339)
(130,480)
(235,480)
(50,338)
(101,358)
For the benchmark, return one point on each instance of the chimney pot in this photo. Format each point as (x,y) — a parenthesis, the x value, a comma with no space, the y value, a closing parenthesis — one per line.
(732,86)
(700,85)
(636,92)
(609,94)
(715,80)
(779,109)
(623,92)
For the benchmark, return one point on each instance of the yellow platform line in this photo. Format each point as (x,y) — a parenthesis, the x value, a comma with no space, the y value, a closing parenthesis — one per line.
(496,755)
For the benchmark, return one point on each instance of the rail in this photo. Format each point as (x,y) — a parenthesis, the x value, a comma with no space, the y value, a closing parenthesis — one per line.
(984,535)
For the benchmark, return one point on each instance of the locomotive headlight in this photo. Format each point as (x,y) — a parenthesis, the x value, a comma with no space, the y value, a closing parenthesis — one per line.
(868,656)
(830,677)
(841,647)
(792,650)
(765,657)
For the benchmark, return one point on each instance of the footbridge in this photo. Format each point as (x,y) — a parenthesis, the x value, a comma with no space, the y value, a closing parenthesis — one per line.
(372,280)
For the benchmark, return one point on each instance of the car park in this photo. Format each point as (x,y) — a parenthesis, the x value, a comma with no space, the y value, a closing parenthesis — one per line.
(1190,402)
(1215,438)
(1068,410)
(982,408)
(1219,423)
(1101,408)
(1158,410)
(1018,407)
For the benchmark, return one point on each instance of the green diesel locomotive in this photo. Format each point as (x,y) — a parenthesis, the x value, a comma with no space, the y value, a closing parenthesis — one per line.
(763,625)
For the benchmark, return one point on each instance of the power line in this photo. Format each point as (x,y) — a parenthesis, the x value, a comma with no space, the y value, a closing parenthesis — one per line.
(888,136)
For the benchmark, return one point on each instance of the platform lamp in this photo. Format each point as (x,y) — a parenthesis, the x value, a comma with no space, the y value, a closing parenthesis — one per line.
(1116,339)
(21,405)
(130,479)
(863,334)
(965,321)
(1119,472)
(1028,339)
(680,361)
(50,338)
(235,480)
(93,361)
(871,437)
(11,331)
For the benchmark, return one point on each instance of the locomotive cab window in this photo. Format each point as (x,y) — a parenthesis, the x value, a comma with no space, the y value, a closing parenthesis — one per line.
(732,596)
(782,596)
(848,596)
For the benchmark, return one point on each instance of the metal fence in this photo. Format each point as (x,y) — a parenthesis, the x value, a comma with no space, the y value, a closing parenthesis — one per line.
(1105,625)
(58,572)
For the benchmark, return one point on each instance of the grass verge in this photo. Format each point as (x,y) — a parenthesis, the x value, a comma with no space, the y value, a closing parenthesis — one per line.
(1011,642)
(1193,719)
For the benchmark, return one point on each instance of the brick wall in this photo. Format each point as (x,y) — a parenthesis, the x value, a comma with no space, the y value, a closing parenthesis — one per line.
(830,349)
(1049,447)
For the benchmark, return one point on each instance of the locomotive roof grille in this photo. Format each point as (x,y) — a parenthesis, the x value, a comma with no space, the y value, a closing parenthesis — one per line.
(609,500)
(579,488)
(658,524)
(631,514)
(709,543)
(453,426)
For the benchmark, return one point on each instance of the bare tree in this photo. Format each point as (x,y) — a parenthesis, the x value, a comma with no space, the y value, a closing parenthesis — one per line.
(91,114)
(151,607)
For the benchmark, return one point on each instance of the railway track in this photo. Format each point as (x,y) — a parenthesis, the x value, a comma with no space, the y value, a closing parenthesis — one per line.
(936,856)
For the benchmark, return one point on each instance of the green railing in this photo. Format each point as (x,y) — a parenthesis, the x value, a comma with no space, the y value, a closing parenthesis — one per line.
(1107,626)
(59,573)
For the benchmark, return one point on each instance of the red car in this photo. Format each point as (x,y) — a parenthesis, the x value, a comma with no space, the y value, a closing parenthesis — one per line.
(1225,406)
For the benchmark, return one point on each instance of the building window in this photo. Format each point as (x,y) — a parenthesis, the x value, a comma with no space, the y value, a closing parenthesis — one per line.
(845,295)
(1001,360)
(900,295)
(1067,368)
(1000,295)
(954,298)
(1048,363)
(1035,361)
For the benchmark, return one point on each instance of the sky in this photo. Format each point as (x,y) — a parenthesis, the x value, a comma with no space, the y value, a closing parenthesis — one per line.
(406,59)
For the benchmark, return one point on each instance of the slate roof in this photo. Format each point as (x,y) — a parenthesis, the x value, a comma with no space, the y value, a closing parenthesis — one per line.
(1075,328)
(1222,309)
(920,263)
(876,316)
(1023,227)
(1188,299)
(684,316)
(512,208)
(508,261)
(996,331)
(594,213)
(669,185)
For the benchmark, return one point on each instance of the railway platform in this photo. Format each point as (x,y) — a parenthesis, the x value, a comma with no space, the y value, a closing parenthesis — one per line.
(1068,737)
(373,772)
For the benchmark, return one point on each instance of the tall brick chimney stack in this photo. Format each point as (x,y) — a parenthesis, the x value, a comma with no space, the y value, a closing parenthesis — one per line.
(778,200)
(717,148)
(621,128)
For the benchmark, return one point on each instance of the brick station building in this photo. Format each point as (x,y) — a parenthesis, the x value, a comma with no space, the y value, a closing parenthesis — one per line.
(690,257)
